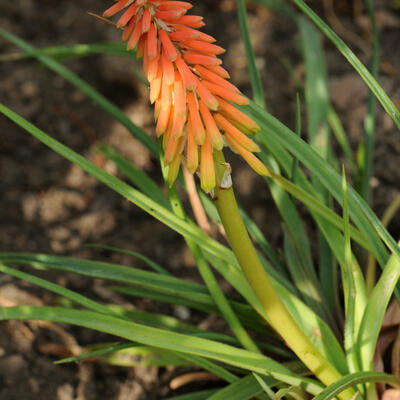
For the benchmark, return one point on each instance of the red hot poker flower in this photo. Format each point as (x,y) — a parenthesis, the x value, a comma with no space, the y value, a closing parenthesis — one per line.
(188,86)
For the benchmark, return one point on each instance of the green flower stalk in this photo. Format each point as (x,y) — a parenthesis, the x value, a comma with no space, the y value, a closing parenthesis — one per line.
(279,316)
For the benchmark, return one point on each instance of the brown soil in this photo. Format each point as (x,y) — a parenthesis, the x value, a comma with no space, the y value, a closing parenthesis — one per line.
(48,205)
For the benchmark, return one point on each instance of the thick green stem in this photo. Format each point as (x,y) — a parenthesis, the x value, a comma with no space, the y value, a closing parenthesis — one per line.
(280,318)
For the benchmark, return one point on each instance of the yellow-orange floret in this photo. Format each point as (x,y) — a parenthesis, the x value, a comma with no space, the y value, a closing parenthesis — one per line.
(192,98)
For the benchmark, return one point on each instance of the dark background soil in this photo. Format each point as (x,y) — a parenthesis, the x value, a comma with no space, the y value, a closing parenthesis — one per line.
(48,205)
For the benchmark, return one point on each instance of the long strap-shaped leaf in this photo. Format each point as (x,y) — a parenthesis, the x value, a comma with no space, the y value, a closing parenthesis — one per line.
(200,395)
(375,311)
(120,313)
(162,339)
(258,92)
(243,389)
(75,50)
(354,379)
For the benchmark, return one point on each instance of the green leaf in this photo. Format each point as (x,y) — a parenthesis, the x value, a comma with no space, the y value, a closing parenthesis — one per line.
(317,102)
(341,138)
(264,385)
(147,284)
(290,392)
(375,311)
(354,379)
(76,50)
(351,296)
(162,339)
(256,84)
(309,291)
(147,356)
(153,265)
(201,395)
(129,355)
(99,351)
(243,389)
(149,319)
(367,148)
(295,163)
(278,7)
(69,294)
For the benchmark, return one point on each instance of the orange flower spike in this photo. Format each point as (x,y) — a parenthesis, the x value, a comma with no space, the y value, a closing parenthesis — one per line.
(167,68)
(146,21)
(196,58)
(233,114)
(236,134)
(205,73)
(195,119)
(203,47)
(249,157)
(167,45)
(117,7)
(225,93)
(187,85)
(152,45)
(192,152)
(187,75)
(127,16)
(207,170)
(212,130)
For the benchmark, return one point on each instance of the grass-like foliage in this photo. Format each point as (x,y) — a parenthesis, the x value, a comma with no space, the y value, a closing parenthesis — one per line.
(298,311)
